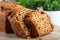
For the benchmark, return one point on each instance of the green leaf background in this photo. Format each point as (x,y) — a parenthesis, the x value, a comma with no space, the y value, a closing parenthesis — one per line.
(46,4)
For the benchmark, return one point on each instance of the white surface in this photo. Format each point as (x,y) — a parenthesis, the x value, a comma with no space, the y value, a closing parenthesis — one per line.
(53,36)
(54,16)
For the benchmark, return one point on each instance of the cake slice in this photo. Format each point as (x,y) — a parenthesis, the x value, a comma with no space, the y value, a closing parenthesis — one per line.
(7,7)
(38,23)
(16,21)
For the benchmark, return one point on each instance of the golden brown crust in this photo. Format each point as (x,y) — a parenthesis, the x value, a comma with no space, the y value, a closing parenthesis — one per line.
(7,5)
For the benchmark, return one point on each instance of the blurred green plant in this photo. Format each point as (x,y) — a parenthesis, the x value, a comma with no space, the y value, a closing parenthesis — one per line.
(28,3)
(46,4)
(50,5)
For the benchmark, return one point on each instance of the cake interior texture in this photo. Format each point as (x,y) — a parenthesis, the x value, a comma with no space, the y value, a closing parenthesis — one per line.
(38,23)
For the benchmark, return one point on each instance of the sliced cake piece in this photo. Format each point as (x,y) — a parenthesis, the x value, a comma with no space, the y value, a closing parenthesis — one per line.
(38,23)
(7,7)
(16,21)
